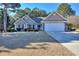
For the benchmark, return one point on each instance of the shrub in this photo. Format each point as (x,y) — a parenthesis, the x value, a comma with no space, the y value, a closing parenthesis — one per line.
(25,29)
(70,27)
(1,30)
(18,29)
(11,30)
(73,29)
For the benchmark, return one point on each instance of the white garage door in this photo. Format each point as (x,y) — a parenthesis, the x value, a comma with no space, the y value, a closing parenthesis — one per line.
(54,27)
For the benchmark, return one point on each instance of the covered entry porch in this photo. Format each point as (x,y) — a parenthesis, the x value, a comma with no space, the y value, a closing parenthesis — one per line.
(30,27)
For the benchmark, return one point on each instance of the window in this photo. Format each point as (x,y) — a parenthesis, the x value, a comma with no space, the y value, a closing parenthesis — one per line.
(18,26)
(22,26)
(29,26)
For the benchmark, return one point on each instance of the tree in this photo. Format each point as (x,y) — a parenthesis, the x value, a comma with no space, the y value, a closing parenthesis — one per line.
(43,13)
(5,9)
(27,10)
(35,12)
(49,13)
(11,22)
(65,10)
(1,21)
(21,12)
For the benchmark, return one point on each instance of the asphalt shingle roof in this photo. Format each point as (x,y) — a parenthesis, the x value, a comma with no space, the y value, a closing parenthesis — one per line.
(38,19)
(55,17)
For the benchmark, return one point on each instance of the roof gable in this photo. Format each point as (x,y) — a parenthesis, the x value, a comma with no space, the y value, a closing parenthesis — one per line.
(26,19)
(19,21)
(55,17)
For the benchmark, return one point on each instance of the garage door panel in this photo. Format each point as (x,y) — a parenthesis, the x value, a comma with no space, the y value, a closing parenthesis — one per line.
(54,27)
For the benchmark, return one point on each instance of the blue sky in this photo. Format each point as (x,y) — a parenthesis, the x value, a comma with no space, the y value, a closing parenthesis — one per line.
(49,7)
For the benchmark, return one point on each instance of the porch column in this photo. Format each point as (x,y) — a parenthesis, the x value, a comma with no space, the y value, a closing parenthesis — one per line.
(43,26)
(33,27)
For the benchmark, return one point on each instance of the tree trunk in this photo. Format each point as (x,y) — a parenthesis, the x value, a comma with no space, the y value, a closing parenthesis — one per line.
(5,19)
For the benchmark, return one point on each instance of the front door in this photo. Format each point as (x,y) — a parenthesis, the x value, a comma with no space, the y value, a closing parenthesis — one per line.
(39,27)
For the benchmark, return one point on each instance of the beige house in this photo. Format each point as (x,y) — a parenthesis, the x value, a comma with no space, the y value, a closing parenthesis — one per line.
(74,20)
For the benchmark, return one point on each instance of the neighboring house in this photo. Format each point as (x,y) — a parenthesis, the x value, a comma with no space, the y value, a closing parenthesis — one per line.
(53,22)
(74,20)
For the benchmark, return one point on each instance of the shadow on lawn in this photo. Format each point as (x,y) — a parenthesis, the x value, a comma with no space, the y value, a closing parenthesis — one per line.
(14,41)
(34,47)
(5,51)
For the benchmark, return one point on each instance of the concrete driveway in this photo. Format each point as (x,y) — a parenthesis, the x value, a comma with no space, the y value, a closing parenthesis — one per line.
(68,39)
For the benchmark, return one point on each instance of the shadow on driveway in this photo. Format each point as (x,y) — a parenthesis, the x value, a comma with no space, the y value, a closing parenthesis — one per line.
(65,37)
(21,40)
